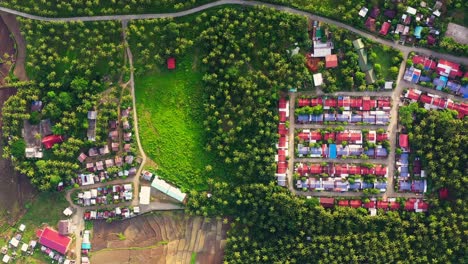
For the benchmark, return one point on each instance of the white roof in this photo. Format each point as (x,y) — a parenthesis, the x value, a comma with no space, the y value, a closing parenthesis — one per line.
(318,79)
(436,13)
(87,195)
(14,242)
(89,178)
(321,52)
(388,85)
(67,211)
(85,238)
(6,259)
(22,227)
(145,194)
(93,193)
(136,209)
(411,10)
(363,11)
(373,211)
(24,247)
(128,187)
(118,211)
(165,188)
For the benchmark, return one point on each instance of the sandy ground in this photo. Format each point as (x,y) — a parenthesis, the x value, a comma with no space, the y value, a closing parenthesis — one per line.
(6,47)
(15,189)
(166,238)
(14,27)
(458,33)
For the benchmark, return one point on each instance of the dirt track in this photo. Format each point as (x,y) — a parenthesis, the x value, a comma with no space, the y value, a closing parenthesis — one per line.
(166,238)
(15,189)
(6,47)
(14,27)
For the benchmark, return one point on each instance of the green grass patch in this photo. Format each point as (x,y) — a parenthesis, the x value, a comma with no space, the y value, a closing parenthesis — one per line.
(171,115)
(385,60)
(193,258)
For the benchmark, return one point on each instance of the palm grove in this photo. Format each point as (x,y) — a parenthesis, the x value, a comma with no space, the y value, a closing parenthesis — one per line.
(246,68)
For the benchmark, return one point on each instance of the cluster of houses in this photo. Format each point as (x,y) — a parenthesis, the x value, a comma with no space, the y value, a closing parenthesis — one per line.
(449,74)
(116,213)
(354,110)
(349,143)
(432,101)
(106,195)
(335,177)
(409,181)
(10,252)
(409,26)
(412,205)
(321,48)
(282,146)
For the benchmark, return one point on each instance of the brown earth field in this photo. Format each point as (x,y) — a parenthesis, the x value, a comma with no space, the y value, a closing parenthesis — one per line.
(15,189)
(159,238)
(6,47)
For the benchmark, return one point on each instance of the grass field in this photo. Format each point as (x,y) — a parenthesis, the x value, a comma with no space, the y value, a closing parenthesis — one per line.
(170,112)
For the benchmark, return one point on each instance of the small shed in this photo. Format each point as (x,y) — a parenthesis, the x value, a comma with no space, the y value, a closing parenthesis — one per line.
(171,63)
(6,259)
(318,79)
(22,227)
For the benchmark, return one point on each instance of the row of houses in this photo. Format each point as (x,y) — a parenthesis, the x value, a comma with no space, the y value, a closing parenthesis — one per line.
(333,151)
(412,204)
(353,117)
(365,103)
(350,136)
(339,185)
(339,170)
(106,195)
(85,179)
(116,213)
(117,161)
(409,181)
(449,74)
(282,146)
(432,101)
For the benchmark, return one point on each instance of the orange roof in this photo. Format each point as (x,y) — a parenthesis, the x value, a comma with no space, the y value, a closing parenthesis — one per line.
(331,61)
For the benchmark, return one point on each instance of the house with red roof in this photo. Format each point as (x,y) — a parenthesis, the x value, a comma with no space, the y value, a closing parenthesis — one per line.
(425,99)
(427,63)
(330,102)
(343,203)
(409,205)
(303,102)
(171,63)
(329,135)
(315,169)
(413,94)
(354,170)
(370,136)
(316,101)
(53,240)
(380,170)
(341,169)
(382,137)
(394,206)
(382,205)
(356,103)
(331,61)
(282,103)
(449,69)
(370,23)
(282,130)
(327,202)
(370,204)
(403,141)
(51,140)
(344,102)
(355,203)
(368,104)
(282,142)
(282,116)
(384,29)
(384,104)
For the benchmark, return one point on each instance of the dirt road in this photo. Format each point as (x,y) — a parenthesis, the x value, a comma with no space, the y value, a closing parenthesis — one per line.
(14,27)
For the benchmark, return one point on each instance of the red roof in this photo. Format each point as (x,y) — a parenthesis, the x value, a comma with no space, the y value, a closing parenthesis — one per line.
(370,136)
(423,206)
(282,142)
(171,63)
(368,104)
(413,95)
(409,205)
(356,102)
(382,205)
(282,116)
(282,166)
(303,170)
(370,23)
(385,28)
(443,193)
(370,204)
(327,202)
(342,136)
(343,203)
(425,99)
(380,170)
(329,135)
(315,169)
(366,171)
(383,103)
(282,103)
(303,136)
(341,169)
(315,135)
(316,101)
(345,102)
(403,139)
(331,102)
(282,155)
(352,169)
(355,137)
(355,203)
(53,240)
(454,68)
(394,206)
(382,137)
(303,102)
(51,140)
(426,62)
(439,102)
(331,61)
(282,130)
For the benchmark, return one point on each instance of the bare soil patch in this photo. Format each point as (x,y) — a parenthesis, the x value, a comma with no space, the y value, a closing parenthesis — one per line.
(7,51)
(14,27)
(15,189)
(458,33)
(168,237)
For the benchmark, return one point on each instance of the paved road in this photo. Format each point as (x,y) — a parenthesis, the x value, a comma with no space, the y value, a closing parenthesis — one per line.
(404,49)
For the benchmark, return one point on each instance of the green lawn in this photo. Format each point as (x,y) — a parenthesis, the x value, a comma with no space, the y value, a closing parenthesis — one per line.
(384,58)
(171,115)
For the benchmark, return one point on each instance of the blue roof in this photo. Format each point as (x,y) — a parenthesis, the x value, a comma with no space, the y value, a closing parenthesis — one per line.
(303,118)
(418,186)
(405,186)
(453,86)
(404,172)
(464,91)
(355,186)
(366,185)
(368,119)
(380,185)
(415,78)
(342,117)
(356,118)
(425,78)
(315,150)
(417,32)
(404,158)
(332,149)
(86,246)
(316,118)
(382,152)
(440,82)
(329,117)
(370,152)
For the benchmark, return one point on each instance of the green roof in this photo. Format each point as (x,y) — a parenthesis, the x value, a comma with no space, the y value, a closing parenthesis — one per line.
(370,76)
(358,44)
(363,60)
(318,33)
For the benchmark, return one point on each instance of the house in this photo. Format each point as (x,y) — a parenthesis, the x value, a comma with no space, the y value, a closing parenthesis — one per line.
(109,163)
(417,32)
(431,40)
(115,146)
(390,13)
(403,141)
(355,203)
(114,135)
(113,124)
(129,159)
(419,186)
(424,61)
(82,157)
(413,94)
(449,69)
(99,165)
(91,133)
(327,202)
(53,240)
(126,125)
(145,195)
(126,147)
(410,10)
(375,12)
(363,11)
(64,227)
(124,113)
(171,63)
(370,23)
(50,141)
(318,79)
(6,259)
(93,152)
(147,175)
(404,186)
(343,203)
(128,136)
(171,191)
(90,166)
(104,150)
(406,19)
(368,104)
(384,29)
(118,161)
(399,28)
(331,61)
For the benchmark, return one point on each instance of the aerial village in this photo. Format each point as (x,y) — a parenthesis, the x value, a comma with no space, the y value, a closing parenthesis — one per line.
(349,150)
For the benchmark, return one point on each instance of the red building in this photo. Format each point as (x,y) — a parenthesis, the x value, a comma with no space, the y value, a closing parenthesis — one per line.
(53,240)
(171,63)
(51,140)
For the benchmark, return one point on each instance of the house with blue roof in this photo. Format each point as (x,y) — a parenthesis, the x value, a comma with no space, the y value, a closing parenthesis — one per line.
(303,118)
(367,185)
(382,186)
(329,117)
(453,86)
(316,152)
(417,32)
(404,186)
(355,186)
(332,151)
(342,185)
(316,118)
(355,118)
(440,82)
